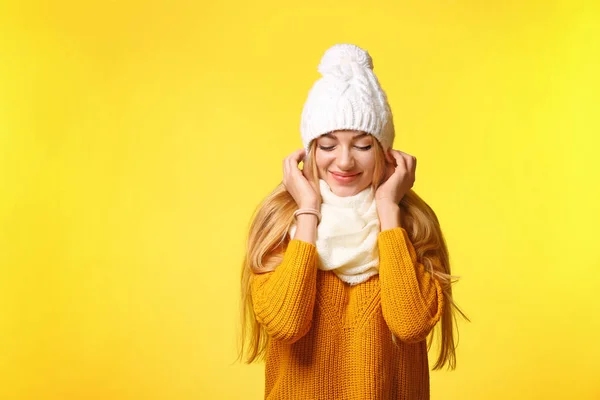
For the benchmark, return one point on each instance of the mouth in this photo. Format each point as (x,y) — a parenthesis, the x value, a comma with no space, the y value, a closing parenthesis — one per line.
(344,178)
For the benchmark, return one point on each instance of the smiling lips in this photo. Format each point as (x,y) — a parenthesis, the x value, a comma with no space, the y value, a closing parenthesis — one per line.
(343,174)
(344,178)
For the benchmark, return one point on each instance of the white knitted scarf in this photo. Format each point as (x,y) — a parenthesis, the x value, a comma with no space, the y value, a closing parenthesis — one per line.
(347,235)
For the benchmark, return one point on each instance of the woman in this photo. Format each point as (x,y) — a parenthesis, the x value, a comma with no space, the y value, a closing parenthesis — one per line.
(346,271)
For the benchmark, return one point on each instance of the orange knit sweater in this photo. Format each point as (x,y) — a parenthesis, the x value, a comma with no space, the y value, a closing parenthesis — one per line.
(329,340)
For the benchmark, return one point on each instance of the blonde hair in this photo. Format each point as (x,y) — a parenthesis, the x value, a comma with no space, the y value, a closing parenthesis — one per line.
(268,239)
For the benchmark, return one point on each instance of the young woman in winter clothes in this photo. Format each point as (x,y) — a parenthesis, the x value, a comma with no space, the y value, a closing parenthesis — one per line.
(346,270)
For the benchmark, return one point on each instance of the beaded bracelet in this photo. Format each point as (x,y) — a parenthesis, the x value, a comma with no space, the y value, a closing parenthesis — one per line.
(308,211)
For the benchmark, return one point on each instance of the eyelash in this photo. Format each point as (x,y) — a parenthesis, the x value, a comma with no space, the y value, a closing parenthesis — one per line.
(365,148)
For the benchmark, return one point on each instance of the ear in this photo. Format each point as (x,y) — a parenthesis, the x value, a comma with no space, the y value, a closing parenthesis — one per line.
(390,158)
(389,171)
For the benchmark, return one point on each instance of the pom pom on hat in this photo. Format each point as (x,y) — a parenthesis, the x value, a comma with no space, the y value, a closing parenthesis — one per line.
(347,97)
(341,54)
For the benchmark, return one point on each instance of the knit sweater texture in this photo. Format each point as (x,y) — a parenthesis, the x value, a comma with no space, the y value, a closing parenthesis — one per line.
(330,340)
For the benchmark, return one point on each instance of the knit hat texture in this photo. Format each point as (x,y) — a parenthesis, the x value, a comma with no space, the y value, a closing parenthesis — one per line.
(347,97)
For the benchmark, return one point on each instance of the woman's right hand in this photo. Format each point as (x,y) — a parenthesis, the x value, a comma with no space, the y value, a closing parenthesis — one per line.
(305,193)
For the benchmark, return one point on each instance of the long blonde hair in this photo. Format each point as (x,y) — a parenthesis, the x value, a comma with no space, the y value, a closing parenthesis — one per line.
(268,239)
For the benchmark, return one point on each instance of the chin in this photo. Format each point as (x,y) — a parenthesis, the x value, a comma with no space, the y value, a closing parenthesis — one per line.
(346,190)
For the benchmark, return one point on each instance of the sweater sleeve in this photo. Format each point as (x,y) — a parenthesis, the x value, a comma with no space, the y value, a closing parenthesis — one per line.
(411,299)
(284,299)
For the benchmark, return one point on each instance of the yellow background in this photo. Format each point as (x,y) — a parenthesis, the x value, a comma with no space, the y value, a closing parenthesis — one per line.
(136,138)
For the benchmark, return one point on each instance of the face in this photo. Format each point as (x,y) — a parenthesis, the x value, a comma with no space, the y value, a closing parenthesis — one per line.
(346,160)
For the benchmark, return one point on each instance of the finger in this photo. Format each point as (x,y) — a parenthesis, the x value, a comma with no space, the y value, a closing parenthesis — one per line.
(295,158)
(293,168)
(287,164)
(400,160)
(408,156)
(290,160)
(408,161)
(411,163)
(298,155)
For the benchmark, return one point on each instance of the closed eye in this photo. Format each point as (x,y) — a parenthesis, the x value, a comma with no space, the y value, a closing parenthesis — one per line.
(329,148)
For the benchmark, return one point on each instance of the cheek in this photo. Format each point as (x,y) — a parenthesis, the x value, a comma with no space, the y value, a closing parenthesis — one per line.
(323,160)
(368,167)
(367,162)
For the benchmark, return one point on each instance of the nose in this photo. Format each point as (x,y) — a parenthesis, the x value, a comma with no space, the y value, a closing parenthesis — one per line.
(344,160)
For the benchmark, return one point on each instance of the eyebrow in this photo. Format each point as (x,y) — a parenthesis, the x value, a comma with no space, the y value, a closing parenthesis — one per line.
(332,136)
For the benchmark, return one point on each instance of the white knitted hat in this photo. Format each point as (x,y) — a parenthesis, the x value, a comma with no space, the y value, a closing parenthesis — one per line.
(348,96)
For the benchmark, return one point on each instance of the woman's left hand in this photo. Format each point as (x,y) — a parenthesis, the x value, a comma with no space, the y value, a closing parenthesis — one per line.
(400,177)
